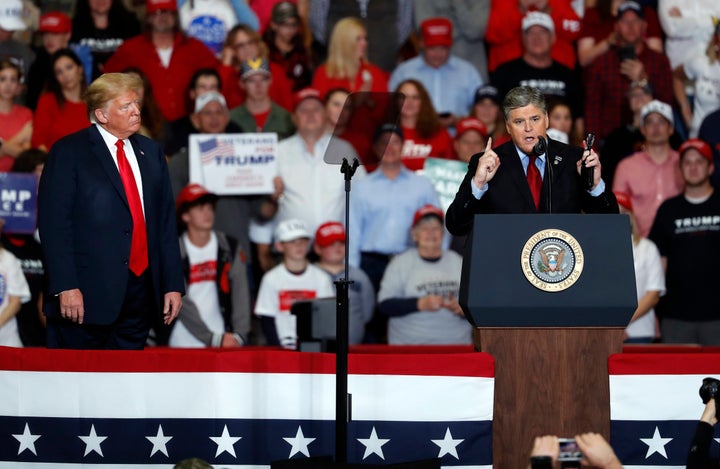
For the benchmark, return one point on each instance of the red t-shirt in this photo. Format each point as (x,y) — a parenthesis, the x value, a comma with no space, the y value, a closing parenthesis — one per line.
(416,148)
(53,122)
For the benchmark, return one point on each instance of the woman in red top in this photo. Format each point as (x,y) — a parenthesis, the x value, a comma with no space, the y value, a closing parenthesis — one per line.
(242,44)
(347,65)
(61,109)
(15,120)
(425,136)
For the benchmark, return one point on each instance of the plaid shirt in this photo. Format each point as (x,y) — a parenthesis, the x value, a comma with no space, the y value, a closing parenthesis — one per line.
(606,103)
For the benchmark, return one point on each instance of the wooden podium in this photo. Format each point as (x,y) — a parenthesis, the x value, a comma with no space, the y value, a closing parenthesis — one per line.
(550,333)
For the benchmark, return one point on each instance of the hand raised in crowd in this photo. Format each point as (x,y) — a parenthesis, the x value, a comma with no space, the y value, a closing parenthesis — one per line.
(633,69)
(709,414)
(597,452)
(487,166)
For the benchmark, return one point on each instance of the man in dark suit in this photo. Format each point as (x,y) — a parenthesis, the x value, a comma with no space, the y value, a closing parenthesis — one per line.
(107,225)
(497,180)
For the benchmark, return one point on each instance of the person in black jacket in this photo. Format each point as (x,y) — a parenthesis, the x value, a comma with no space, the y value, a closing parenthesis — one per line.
(699,455)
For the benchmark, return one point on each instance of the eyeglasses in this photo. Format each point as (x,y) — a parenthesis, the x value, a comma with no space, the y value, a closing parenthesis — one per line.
(242,45)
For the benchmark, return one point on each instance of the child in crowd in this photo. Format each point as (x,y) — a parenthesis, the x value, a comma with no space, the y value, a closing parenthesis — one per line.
(294,279)
(561,120)
(216,308)
(14,291)
(330,248)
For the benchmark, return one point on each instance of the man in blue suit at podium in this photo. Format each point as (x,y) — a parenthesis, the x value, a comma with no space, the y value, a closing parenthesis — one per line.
(530,173)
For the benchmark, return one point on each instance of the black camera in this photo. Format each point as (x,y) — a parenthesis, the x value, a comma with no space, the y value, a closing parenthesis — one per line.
(709,390)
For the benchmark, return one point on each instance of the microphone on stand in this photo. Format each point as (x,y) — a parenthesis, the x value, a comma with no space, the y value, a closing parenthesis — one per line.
(540,148)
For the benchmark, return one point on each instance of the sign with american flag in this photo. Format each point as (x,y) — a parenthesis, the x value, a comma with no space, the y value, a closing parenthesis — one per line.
(655,407)
(239,409)
(233,164)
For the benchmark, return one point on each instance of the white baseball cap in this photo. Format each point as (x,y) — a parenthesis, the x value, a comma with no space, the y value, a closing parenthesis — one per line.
(538,18)
(659,107)
(289,230)
(208,97)
(11,15)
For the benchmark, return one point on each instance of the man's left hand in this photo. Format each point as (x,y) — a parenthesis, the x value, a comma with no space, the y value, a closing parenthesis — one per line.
(171,308)
(591,161)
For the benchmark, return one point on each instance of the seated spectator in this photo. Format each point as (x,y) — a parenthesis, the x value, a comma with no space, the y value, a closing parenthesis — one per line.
(166,56)
(504,30)
(242,44)
(419,290)
(294,279)
(347,65)
(285,42)
(596,452)
(537,68)
(209,21)
(330,249)
(422,128)
(16,293)
(702,68)
(102,25)
(26,248)
(651,175)
(469,21)
(486,108)
(216,306)
(55,30)
(649,280)
(449,80)
(15,120)
(259,113)
(608,78)
(685,232)
(232,212)
(598,35)
(61,110)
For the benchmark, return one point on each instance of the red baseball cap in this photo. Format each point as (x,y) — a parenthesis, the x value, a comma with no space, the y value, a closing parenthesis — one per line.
(151,6)
(698,145)
(437,32)
(328,233)
(55,22)
(306,93)
(624,200)
(427,211)
(470,123)
(192,193)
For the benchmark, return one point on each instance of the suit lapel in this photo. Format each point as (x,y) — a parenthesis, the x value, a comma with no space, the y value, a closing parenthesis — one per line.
(102,152)
(143,164)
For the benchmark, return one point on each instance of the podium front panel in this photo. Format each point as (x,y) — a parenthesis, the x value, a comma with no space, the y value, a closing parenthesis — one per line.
(496,292)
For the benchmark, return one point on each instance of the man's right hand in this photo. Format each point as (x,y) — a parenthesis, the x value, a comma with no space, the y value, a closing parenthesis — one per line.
(71,305)
(487,166)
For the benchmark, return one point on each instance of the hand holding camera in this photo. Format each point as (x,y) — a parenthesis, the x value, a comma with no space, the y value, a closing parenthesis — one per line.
(710,394)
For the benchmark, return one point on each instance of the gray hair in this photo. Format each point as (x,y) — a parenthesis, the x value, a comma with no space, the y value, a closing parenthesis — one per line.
(522,96)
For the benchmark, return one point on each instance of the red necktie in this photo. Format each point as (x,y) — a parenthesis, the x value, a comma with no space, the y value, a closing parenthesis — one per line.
(138,244)
(534,180)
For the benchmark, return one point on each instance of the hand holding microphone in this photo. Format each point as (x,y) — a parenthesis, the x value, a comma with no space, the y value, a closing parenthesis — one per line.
(588,163)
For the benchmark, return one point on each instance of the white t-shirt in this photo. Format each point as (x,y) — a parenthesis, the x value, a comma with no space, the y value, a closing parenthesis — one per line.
(12,283)
(707,88)
(649,276)
(202,290)
(280,288)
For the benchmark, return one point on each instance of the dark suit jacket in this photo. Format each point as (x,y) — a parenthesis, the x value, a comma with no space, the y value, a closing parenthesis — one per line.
(85,224)
(509,192)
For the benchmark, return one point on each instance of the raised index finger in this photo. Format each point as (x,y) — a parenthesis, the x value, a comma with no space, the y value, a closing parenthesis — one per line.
(488,146)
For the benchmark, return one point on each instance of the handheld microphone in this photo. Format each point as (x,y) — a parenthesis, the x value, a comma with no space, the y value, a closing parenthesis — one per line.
(588,174)
(541,146)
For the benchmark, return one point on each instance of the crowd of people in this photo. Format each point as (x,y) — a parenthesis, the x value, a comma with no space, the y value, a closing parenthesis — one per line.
(643,77)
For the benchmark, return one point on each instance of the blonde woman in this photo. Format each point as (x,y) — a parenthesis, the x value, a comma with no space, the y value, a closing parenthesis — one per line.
(347,65)
(704,70)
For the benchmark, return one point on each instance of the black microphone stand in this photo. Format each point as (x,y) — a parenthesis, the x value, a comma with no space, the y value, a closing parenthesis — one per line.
(342,398)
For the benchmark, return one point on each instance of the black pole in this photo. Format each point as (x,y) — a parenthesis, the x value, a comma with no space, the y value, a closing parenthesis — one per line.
(342,399)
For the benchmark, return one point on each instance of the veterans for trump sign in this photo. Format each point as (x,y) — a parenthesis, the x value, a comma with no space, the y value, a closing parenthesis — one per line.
(234,164)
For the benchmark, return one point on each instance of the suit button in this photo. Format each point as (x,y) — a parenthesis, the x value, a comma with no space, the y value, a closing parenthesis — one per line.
(125,262)
(127,232)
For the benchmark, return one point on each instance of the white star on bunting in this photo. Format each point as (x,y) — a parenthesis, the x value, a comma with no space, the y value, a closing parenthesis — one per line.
(448,445)
(373,445)
(92,442)
(299,443)
(656,444)
(27,440)
(225,443)
(159,442)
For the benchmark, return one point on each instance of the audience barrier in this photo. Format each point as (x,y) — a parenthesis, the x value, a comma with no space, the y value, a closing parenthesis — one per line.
(243,408)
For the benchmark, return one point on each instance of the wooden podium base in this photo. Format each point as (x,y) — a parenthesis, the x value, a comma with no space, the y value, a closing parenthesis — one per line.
(547,382)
